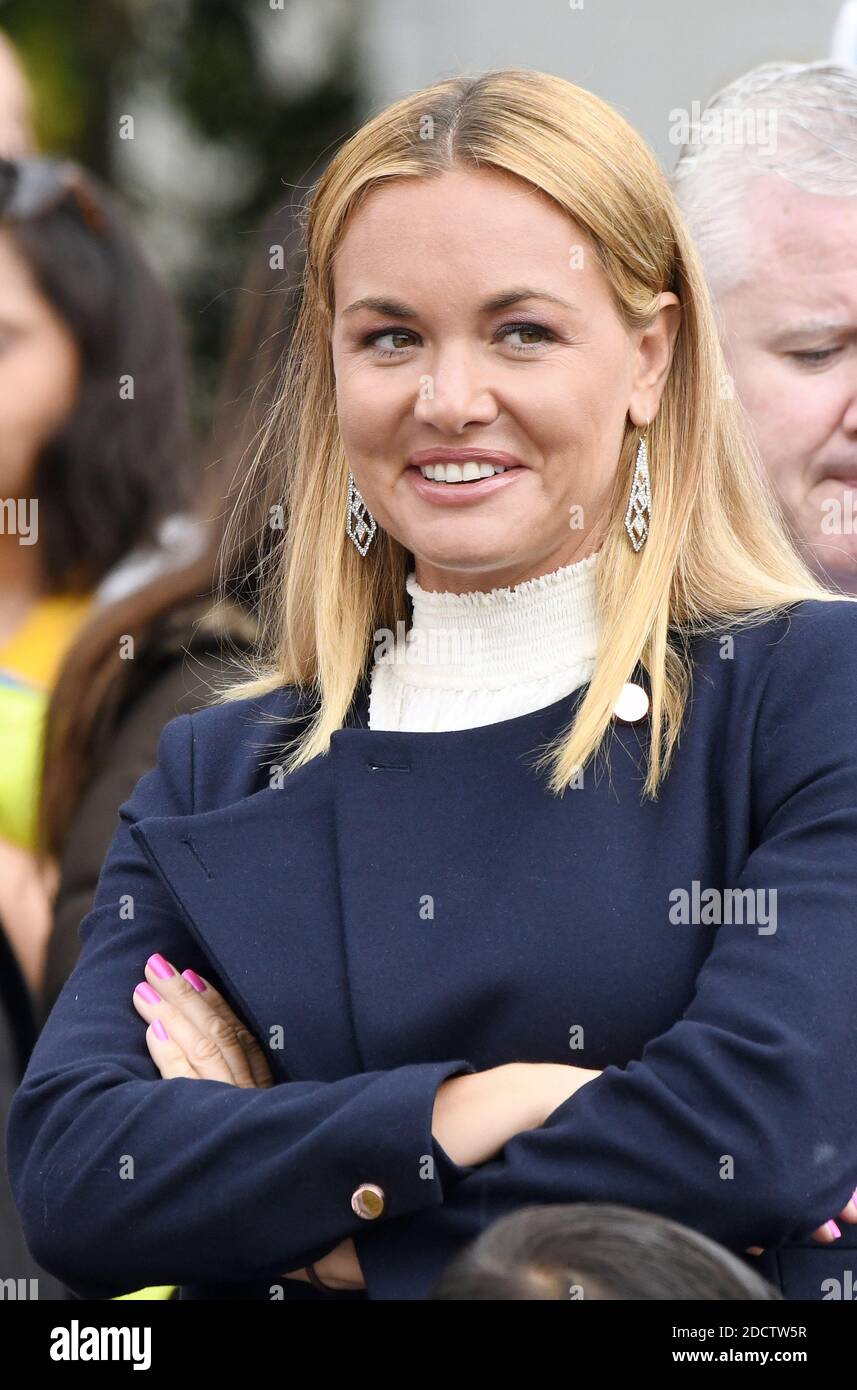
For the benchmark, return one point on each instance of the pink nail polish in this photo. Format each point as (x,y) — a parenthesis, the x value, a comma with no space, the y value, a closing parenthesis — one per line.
(145,991)
(159,1030)
(160,966)
(832,1227)
(194,979)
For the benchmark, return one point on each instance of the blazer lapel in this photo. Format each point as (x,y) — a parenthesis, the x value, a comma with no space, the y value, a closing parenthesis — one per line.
(258,884)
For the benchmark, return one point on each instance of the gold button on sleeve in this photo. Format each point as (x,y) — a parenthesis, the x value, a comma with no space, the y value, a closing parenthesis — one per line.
(367,1200)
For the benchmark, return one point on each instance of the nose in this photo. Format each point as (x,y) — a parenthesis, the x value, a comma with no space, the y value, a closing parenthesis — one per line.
(455,393)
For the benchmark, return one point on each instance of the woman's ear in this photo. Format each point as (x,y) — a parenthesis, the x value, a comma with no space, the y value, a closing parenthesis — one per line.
(653,359)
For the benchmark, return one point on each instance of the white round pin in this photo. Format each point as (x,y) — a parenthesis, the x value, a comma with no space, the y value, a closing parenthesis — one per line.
(632,704)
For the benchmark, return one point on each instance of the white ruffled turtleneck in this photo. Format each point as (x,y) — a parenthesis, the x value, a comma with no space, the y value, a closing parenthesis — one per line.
(477,658)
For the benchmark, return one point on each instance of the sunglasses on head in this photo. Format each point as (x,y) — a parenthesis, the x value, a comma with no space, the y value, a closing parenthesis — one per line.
(32,187)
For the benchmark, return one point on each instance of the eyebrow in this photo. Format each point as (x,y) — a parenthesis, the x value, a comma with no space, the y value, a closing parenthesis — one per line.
(396,309)
(811,328)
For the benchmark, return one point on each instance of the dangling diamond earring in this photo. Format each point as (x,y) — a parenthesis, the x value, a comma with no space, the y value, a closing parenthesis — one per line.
(360,524)
(639,513)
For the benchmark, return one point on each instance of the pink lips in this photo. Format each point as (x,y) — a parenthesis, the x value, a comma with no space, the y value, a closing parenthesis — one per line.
(459,494)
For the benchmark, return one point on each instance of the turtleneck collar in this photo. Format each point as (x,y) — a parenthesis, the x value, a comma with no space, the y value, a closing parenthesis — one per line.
(474,658)
(535,628)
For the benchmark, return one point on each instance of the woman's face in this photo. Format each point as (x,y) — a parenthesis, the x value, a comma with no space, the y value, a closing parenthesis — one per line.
(547,378)
(39,371)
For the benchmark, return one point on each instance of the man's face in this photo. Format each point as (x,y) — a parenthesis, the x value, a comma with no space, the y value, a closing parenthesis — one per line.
(790,338)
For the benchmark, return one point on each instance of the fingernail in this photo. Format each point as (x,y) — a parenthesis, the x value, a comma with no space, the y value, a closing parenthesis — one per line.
(159,1030)
(160,966)
(832,1227)
(192,978)
(145,991)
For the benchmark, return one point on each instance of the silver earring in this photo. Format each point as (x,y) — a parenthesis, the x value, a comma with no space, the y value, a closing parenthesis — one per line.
(360,523)
(639,513)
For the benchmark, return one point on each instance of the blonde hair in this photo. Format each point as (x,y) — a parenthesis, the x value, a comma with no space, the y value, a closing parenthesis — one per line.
(717,550)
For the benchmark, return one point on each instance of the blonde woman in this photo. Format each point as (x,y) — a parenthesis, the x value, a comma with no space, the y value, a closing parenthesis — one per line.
(523,869)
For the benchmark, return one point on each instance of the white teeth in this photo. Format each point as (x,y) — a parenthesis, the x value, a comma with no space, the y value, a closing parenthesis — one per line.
(469,472)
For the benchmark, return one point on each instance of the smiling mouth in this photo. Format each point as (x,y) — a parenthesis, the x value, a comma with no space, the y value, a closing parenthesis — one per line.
(471,471)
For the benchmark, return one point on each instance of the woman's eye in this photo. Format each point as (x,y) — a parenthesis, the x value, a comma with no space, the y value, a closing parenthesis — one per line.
(525,328)
(816,356)
(375,338)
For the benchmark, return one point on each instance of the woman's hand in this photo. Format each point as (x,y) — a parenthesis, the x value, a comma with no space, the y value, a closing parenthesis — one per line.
(204,1039)
(827,1233)
(475,1114)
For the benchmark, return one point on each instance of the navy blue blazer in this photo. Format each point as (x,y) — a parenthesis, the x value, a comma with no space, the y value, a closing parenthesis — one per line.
(413,906)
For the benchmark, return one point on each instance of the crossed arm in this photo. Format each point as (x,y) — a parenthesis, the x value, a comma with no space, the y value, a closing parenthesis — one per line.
(474,1114)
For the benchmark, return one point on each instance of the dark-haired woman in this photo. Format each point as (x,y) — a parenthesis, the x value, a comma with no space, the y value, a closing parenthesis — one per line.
(94,454)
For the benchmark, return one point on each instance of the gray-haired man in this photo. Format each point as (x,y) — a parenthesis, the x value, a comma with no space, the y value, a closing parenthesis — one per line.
(767,178)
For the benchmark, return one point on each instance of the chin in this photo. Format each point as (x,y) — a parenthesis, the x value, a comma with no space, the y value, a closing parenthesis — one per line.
(475,559)
(458,542)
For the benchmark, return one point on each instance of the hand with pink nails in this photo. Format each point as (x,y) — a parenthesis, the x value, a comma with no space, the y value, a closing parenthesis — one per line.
(193,1032)
(827,1233)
